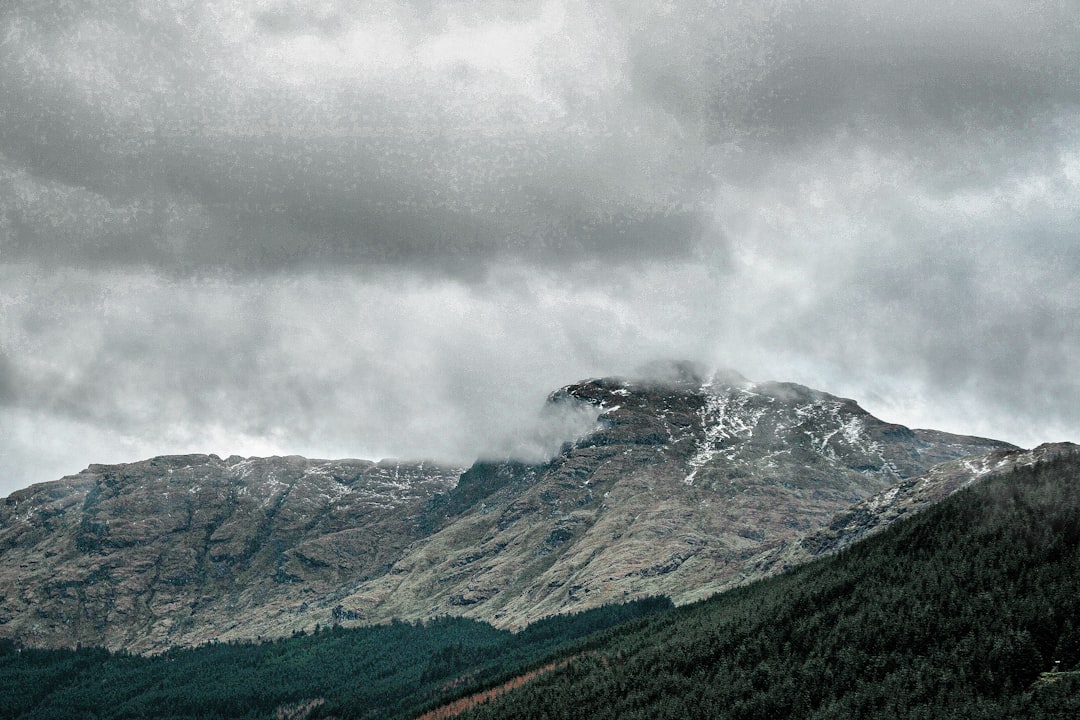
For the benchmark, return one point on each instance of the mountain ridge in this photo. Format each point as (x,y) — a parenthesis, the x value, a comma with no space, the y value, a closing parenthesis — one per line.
(906,498)
(679,490)
(968,610)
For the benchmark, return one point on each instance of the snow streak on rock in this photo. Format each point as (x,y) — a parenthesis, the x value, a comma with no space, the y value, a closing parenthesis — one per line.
(725,415)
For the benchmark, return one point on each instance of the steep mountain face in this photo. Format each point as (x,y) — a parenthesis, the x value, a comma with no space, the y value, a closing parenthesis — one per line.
(907,498)
(681,490)
(967,610)
(683,484)
(181,550)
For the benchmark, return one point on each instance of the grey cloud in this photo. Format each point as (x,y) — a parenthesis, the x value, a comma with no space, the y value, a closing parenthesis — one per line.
(408,169)
(8,381)
(787,72)
(600,144)
(296,17)
(390,228)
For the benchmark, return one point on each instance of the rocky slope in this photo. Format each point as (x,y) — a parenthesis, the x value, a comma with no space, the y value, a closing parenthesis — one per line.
(681,486)
(681,490)
(186,549)
(903,499)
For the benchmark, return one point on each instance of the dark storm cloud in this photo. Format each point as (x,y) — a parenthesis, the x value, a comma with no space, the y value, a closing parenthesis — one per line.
(8,381)
(397,143)
(385,228)
(288,134)
(786,71)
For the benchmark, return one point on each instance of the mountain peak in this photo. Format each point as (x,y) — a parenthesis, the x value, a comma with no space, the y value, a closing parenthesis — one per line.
(683,481)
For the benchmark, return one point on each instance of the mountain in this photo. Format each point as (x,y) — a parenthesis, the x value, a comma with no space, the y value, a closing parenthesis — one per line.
(186,549)
(682,484)
(683,489)
(903,499)
(967,610)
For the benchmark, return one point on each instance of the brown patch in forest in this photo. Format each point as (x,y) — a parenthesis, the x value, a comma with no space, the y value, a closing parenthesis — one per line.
(460,705)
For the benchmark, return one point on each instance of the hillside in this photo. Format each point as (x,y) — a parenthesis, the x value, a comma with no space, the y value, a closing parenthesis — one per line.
(681,490)
(961,611)
(186,549)
(903,499)
(396,670)
(966,610)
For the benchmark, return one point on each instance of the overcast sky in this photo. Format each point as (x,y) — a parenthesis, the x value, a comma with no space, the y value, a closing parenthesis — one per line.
(390,228)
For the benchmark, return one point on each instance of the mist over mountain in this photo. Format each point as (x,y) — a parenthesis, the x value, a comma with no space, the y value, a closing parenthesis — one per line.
(686,484)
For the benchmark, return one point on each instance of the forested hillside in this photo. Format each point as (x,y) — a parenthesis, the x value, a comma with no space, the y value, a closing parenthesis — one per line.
(387,671)
(956,613)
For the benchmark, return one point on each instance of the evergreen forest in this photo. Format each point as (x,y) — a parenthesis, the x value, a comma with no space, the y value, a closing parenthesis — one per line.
(385,671)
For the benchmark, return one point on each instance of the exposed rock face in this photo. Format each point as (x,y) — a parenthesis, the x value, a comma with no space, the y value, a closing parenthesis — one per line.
(182,550)
(682,488)
(907,498)
(678,489)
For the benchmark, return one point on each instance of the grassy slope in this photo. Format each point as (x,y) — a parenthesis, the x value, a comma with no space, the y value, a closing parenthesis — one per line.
(951,614)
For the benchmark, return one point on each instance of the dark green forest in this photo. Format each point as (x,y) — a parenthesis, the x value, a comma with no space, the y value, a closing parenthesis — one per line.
(968,610)
(386,671)
(955,613)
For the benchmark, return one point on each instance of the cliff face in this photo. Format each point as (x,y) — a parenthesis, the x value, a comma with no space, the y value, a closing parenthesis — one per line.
(680,490)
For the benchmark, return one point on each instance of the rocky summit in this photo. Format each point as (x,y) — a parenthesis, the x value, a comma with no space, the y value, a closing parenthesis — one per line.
(685,487)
